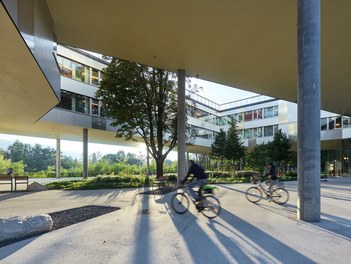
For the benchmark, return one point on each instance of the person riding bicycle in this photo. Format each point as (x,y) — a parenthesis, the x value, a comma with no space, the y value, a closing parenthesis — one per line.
(272,176)
(199,179)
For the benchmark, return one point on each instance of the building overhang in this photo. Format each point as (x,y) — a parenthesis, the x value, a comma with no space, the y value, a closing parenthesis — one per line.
(250,45)
(25,93)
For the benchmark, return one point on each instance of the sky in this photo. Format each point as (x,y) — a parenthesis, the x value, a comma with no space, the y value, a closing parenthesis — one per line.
(215,92)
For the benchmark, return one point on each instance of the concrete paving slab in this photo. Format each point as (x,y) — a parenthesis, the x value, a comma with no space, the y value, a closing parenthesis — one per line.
(146,230)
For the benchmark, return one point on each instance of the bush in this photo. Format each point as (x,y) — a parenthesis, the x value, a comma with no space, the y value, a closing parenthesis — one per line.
(100,182)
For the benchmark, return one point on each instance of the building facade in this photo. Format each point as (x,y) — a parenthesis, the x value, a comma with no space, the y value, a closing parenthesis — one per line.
(258,118)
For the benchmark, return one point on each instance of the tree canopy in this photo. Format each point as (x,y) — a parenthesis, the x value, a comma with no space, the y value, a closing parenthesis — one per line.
(218,146)
(142,100)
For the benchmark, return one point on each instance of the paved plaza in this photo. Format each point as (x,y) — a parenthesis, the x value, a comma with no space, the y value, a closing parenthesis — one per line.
(146,230)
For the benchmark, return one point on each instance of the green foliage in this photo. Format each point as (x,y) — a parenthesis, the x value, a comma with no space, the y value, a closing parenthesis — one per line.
(100,183)
(18,167)
(258,157)
(234,149)
(218,147)
(4,164)
(142,101)
(34,158)
(280,148)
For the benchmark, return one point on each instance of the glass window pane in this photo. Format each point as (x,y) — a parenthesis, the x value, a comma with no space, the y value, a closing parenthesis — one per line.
(81,104)
(66,100)
(338,122)
(94,107)
(66,69)
(324,124)
(275,110)
(268,131)
(268,112)
(254,132)
(248,133)
(346,121)
(95,77)
(331,123)
(248,116)
(259,132)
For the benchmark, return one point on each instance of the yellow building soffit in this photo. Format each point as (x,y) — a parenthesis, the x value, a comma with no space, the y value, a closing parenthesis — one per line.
(250,45)
(25,94)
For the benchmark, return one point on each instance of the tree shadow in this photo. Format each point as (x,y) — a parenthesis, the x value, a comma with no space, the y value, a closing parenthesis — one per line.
(230,239)
(268,248)
(12,195)
(142,230)
(10,248)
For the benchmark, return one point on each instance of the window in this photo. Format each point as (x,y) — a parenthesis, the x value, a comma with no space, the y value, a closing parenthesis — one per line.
(268,131)
(275,110)
(66,100)
(81,104)
(258,114)
(65,66)
(95,77)
(259,131)
(268,112)
(254,132)
(331,123)
(324,124)
(346,121)
(248,116)
(338,122)
(94,107)
(248,133)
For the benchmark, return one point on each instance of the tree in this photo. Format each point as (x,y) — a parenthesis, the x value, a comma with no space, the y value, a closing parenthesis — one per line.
(142,101)
(234,149)
(258,157)
(280,148)
(35,158)
(18,151)
(40,158)
(218,147)
(120,156)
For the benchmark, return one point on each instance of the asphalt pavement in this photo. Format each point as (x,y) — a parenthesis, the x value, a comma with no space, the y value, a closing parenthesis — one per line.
(146,230)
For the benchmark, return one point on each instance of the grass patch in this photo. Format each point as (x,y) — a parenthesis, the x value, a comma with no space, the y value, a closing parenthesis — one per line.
(101,182)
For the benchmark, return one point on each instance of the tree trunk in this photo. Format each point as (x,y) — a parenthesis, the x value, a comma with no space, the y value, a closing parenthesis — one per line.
(159,168)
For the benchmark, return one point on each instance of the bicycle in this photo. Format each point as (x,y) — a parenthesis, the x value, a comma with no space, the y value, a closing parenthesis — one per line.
(208,205)
(254,194)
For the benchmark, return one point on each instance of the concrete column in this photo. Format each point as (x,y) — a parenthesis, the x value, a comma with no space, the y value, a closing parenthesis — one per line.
(58,158)
(181,124)
(85,153)
(308,204)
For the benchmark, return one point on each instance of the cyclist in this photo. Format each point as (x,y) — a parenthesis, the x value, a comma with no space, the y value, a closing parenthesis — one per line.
(199,179)
(272,177)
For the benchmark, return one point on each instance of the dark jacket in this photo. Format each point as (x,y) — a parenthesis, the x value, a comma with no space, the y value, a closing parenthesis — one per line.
(197,171)
(273,173)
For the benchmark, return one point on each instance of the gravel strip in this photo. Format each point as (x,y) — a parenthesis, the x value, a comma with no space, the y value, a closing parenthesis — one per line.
(72,216)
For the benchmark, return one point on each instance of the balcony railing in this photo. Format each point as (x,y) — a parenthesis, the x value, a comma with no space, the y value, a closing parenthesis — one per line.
(221,107)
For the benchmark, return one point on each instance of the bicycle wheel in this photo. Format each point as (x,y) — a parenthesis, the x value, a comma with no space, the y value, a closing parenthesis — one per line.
(180,203)
(253,194)
(280,196)
(211,207)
